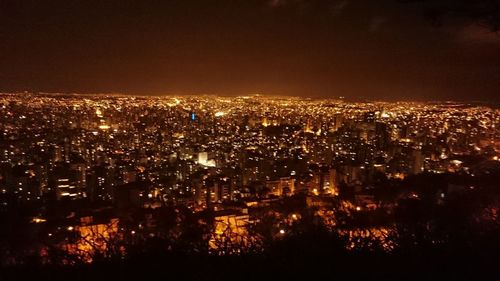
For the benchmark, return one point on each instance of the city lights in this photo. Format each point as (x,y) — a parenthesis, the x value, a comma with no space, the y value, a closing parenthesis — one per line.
(122,170)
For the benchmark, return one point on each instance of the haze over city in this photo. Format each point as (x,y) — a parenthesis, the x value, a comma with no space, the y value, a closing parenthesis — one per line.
(382,50)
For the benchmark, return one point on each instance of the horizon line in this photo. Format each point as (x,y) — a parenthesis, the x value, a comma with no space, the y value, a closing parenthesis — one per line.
(266,95)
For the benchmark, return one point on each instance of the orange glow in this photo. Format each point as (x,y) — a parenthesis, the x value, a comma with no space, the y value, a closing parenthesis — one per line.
(92,239)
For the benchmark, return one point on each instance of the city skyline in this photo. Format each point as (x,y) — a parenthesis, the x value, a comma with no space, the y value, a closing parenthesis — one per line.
(490,103)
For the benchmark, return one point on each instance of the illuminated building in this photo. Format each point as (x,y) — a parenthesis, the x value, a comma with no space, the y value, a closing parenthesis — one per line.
(70,181)
(230,230)
(284,186)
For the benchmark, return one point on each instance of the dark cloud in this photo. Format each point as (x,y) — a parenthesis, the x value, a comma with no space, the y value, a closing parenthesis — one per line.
(476,33)
(376,23)
(277,3)
(338,6)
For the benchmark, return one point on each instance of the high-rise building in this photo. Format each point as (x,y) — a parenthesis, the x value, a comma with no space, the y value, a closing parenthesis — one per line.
(338,120)
(369,117)
(417,162)
(382,136)
(69,181)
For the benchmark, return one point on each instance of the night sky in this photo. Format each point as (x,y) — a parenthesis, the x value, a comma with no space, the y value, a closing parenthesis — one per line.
(384,49)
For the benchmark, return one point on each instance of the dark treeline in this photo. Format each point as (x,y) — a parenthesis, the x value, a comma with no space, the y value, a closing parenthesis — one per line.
(453,239)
